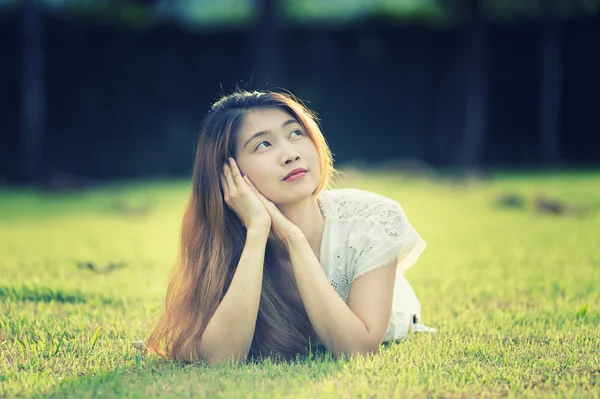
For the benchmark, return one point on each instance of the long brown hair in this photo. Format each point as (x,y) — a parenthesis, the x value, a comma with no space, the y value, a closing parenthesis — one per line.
(212,239)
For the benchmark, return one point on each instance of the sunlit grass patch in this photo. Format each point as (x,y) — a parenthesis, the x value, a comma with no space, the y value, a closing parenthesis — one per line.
(512,291)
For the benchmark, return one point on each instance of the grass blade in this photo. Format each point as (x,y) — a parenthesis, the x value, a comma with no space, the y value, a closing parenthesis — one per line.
(60,341)
(95,338)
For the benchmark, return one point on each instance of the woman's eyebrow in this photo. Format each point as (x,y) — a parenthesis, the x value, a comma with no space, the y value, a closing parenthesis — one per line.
(265,132)
(289,122)
(255,135)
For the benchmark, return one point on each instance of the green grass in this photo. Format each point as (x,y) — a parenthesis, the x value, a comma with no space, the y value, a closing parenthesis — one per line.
(514,294)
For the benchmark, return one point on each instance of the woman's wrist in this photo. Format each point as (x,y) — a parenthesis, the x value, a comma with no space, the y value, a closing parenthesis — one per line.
(294,238)
(258,232)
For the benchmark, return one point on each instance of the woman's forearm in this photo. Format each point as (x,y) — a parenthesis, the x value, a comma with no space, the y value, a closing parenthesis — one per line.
(340,330)
(228,334)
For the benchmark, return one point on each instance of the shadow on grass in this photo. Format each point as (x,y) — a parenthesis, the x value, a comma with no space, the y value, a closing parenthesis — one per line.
(151,376)
(37,293)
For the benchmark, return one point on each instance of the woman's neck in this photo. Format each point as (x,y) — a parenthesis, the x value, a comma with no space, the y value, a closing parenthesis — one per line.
(309,219)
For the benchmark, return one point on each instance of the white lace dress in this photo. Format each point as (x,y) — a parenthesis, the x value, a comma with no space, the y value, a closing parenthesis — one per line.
(365,231)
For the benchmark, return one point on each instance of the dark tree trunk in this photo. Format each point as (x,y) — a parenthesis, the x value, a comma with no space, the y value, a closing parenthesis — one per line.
(476,114)
(448,116)
(551,87)
(267,56)
(33,96)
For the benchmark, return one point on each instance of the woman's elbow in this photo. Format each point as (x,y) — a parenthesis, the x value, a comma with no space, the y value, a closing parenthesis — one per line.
(231,358)
(216,353)
(369,350)
(224,360)
(365,349)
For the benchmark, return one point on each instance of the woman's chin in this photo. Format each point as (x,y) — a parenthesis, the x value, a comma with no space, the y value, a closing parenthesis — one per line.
(293,196)
(286,193)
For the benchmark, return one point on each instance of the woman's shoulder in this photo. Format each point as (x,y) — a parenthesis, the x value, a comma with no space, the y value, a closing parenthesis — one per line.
(373,228)
(345,199)
(352,203)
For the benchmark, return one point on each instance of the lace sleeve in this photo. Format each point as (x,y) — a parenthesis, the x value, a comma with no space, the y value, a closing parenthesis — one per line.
(386,236)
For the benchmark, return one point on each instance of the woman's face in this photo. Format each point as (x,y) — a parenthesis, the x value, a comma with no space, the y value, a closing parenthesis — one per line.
(271,143)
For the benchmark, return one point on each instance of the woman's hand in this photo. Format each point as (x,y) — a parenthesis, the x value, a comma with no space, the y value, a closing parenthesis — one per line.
(242,199)
(283,229)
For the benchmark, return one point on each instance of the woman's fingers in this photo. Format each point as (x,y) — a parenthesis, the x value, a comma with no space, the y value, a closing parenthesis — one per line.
(224,185)
(247,180)
(255,190)
(235,171)
(229,179)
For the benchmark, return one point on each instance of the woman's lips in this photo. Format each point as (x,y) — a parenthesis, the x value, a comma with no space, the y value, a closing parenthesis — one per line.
(296,176)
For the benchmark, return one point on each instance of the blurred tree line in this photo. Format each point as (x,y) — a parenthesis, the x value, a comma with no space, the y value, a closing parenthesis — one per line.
(450,107)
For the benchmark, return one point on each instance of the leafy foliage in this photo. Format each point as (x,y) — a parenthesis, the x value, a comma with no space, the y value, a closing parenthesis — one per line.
(200,13)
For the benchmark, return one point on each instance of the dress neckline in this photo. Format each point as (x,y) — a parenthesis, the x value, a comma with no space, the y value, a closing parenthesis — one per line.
(324,206)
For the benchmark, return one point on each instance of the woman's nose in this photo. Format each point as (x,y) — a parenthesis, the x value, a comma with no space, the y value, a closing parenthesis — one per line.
(290,154)
(292,158)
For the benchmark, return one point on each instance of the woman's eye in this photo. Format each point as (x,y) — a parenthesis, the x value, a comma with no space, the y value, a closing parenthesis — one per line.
(261,143)
(297,131)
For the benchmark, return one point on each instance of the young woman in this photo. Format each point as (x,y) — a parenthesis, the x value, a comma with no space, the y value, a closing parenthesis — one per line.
(270,261)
